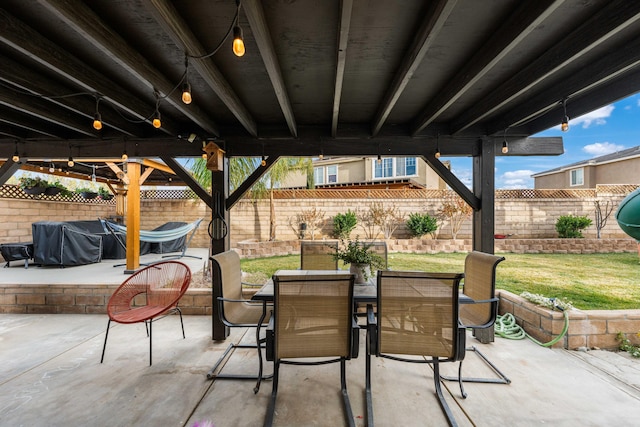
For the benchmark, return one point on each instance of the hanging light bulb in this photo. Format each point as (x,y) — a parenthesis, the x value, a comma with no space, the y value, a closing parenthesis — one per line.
(52,168)
(204,156)
(93,174)
(238,42)
(157,123)
(379,161)
(263,163)
(97,118)
(124,156)
(186,93)
(505,147)
(97,121)
(70,162)
(564,126)
(437,155)
(16,156)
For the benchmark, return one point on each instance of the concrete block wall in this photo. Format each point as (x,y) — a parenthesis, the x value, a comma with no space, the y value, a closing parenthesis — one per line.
(587,328)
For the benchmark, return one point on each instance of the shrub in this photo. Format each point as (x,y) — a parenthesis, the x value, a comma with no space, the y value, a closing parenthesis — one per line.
(343,224)
(421,224)
(569,226)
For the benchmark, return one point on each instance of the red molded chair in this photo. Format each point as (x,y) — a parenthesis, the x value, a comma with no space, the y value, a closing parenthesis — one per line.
(148,295)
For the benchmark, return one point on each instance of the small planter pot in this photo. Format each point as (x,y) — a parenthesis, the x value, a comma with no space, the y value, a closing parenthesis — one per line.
(361,271)
(88,195)
(34,190)
(52,191)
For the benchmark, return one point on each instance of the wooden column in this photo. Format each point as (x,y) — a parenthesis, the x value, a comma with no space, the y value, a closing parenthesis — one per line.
(484,217)
(133,218)
(219,194)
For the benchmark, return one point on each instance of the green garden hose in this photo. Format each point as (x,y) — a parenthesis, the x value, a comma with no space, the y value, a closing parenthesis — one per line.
(506,327)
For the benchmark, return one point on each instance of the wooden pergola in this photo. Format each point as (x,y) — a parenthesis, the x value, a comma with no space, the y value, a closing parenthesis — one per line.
(338,78)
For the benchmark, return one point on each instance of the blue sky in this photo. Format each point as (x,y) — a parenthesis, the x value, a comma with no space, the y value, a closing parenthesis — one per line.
(611,128)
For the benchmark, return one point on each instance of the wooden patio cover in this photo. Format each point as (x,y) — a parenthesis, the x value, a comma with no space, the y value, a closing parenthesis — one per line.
(345,78)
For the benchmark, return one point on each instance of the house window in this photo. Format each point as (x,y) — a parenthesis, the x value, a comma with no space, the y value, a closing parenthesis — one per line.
(384,169)
(332,173)
(577,177)
(318,175)
(393,167)
(405,166)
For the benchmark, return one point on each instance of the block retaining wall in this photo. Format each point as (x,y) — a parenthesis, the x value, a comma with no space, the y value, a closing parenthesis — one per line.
(587,328)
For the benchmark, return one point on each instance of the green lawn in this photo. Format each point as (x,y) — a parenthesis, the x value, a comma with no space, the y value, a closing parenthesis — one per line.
(591,281)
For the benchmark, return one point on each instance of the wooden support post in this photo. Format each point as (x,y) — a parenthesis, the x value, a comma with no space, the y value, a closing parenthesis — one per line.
(483,218)
(133,218)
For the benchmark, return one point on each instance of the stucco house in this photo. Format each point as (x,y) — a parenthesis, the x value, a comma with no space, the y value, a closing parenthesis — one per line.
(621,167)
(388,172)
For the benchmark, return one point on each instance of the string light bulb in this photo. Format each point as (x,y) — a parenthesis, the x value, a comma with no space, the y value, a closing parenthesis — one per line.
(16,156)
(157,123)
(437,154)
(97,118)
(564,126)
(238,42)
(505,147)
(70,162)
(52,168)
(263,163)
(379,161)
(125,157)
(186,93)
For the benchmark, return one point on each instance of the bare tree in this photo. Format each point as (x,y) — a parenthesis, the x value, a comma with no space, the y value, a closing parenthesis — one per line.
(602,215)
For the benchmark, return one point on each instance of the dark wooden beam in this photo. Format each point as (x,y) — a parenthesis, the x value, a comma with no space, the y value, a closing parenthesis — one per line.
(86,23)
(182,35)
(249,182)
(532,146)
(624,59)
(484,189)
(42,110)
(614,17)
(432,24)
(579,105)
(346,7)
(452,180)
(524,20)
(27,80)
(7,170)
(255,15)
(23,125)
(43,51)
(188,179)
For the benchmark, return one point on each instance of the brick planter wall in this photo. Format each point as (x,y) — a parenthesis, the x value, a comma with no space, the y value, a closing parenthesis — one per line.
(587,328)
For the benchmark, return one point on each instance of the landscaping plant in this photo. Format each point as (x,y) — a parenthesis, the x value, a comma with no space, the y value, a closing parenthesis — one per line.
(570,226)
(343,224)
(421,224)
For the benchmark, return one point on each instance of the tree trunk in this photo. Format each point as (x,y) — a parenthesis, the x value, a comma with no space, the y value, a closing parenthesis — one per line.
(272,217)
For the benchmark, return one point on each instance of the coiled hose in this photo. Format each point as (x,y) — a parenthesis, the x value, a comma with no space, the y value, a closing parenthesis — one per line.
(506,327)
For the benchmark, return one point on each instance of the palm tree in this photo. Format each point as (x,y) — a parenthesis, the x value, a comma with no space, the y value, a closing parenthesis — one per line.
(241,167)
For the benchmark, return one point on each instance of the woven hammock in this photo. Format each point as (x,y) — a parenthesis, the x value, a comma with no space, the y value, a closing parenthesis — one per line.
(159,235)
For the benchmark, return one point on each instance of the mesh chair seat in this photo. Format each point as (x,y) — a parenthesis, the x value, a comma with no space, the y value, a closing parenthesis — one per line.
(318,255)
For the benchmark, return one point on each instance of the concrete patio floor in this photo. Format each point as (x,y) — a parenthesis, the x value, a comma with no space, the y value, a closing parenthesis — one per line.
(50,375)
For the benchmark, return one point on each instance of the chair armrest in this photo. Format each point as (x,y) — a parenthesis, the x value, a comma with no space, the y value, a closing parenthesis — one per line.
(462,343)
(479,301)
(355,338)
(372,335)
(270,350)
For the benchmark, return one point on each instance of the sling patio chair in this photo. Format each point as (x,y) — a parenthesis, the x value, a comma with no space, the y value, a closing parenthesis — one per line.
(480,312)
(148,295)
(318,255)
(417,318)
(313,318)
(237,312)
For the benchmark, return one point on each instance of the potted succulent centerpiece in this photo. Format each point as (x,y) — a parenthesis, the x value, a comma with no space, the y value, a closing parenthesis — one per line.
(104,194)
(361,258)
(31,185)
(87,193)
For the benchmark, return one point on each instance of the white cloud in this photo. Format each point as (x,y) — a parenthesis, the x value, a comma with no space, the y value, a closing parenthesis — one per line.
(597,117)
(516,179)
(601,148)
